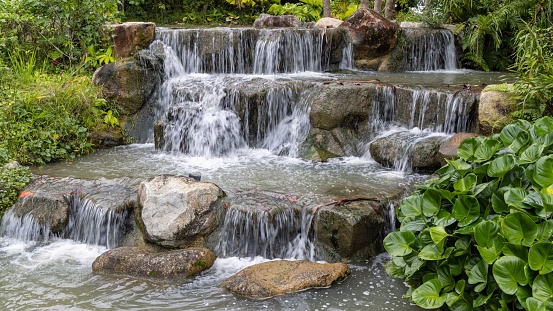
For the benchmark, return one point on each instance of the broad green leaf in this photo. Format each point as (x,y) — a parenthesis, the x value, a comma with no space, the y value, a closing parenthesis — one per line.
(444,218)
(459,302)
(515,197)
(479,274)
(428,295)
(460,165)
(481,300)
(444,275)
(523,293)
(498,201)
(462,245)
(486,150)
(533,304)
(531,154)
(398,243)
(543,174)
(508,272)
(411,206)
(431,202)
(438,234)
(520,142)
(546,195)
(465,184)
(394,270)
(543,126)
(466,210)
(469,230)
(501,165)
(510,133)
(490,254)
(413,267)
(433,252)
(540,257)
(485,233)
(545,231)
(413,224)
(542,289)
(519,228)
(519,251)
(467,148)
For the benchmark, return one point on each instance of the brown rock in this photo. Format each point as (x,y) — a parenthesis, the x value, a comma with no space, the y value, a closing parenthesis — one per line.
(494,110)
(372,34)
(265,21)
(327,22)
(278,277)
(448,149)
(130,37)
(135,261)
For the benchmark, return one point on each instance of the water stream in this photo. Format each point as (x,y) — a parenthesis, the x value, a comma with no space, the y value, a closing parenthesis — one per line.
(211,132)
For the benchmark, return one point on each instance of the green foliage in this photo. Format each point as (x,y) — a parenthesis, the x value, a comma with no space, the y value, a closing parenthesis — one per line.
(480,237)
(534,67)
(47,117)
(56,30)
(305,10)
(100,57)
(342,9)
(12,180)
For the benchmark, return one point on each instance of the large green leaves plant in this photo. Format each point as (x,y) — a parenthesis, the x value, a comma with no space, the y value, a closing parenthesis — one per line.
(479,237)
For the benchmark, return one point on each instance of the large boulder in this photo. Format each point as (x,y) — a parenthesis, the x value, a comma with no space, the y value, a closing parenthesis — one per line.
(273,278)
(130,37)
(176,211)
(135,261)
(407,150)
(128,82)
(266,21)
(372,34)
(448,149)
(494,111)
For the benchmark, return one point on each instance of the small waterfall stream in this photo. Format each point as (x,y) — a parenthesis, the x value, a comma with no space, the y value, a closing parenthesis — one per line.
(429,50)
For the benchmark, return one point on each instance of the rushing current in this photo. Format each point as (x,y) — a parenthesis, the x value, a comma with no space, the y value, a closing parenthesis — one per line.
(209,130)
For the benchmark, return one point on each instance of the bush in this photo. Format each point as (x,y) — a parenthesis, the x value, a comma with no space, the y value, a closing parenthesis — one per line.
(12,180)
(479,237)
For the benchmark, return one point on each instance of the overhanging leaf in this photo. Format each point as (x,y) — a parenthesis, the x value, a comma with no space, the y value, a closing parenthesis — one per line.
(519,228)
(501,165)
(467,148)
(398,243)
(438,234)
(531,154)
(466,210)
(486,150)
(466,183)
(508,272)
(543,126)
(428,295)
(412,206)
(431,202)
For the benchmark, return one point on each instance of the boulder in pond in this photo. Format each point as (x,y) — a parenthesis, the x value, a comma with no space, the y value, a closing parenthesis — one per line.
(130,37)
(267,21)
(372,34)
(273,278)
(448,149)
(135,261)
(411,150)
(494,111)
(177,211)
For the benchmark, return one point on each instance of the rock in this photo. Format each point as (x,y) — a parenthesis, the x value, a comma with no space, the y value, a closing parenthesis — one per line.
(130,37)
(419,151)
(494,110)
(129,83)
(177,211)
(159,134)
(266,21)
(327,22)
(448,149)
(372,35)
(273,278)
(107,139)
(354,231)
(321,145)
(135,261)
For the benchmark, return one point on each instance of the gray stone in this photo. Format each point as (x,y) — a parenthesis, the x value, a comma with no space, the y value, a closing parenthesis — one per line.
(159,134)
(177,211)
(494,111)
(321,145)
(135,261)
(279,277)
(266,21)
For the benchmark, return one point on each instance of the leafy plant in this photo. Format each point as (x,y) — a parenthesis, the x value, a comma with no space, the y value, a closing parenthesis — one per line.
(100,57)
(306,10)
(479,237)
(12,180)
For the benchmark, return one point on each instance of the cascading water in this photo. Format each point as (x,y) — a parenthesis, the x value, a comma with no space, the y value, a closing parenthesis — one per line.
(429,49)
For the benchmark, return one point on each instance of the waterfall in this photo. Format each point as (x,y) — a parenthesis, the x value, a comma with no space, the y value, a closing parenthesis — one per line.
(87,224)
(429,49)
(282,234)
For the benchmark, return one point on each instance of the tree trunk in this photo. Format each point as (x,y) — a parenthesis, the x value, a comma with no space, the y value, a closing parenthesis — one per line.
(326,8)
(390,10)
(364,4)
(378,6)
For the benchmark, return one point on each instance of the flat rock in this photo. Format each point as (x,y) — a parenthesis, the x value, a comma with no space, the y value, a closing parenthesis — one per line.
(328,22)
(273,278)
(266,21)
(135,261)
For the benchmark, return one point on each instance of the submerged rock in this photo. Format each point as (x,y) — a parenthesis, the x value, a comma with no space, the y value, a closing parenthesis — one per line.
(176,211)
(266,20)
(135,261)
(273,278)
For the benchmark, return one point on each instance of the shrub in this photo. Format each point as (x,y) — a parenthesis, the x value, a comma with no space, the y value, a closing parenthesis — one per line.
(479,237)
(12,180)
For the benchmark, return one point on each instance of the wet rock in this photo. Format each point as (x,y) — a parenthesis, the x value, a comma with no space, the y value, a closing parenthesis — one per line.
(448,149)
(372,35)
(129,83)
(265,21)
(494,110)
(135,261)
(355,230)
(107,138)
(327,22)
(159,134)
(130,37)
(279,277)
(322,145)
(419,151)
(177,211)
